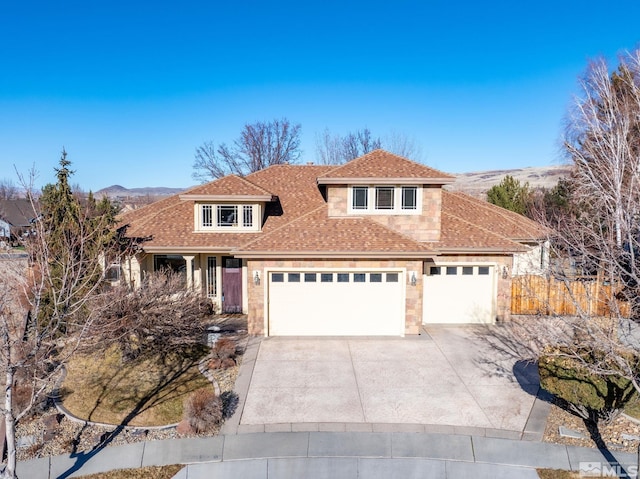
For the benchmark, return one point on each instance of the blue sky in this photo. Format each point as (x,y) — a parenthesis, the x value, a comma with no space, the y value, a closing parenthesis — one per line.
(130,89)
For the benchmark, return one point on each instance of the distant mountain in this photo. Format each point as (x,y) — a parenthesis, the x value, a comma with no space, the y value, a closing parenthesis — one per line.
(476,183)
(117,191)
(479,182)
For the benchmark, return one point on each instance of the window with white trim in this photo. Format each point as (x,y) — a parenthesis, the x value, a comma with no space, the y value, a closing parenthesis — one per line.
(207,216)
(360,197)
(409,197)
(247,216)
(227,217)
(385,199)
(211,277)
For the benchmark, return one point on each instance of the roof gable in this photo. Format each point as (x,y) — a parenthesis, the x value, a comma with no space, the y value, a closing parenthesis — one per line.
(228,187)
(380,165)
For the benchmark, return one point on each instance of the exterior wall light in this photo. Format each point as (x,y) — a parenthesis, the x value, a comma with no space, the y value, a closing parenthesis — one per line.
(413,280)
(256,278)
(505,272)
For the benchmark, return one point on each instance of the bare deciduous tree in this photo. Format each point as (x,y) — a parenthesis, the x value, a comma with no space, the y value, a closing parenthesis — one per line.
(161,315)
(43,314)
(403,145)
(261,144)
(359,143)
(333,149)
(598,232)
(8,190)
(337,149)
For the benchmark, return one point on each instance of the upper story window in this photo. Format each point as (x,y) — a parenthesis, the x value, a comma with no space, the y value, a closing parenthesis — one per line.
(385,200)
(409,197)
(227,217)
(360,197)
(384,197)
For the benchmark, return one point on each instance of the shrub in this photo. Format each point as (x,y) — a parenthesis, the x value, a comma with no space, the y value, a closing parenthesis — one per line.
(588,394)
(203,410)
(223,354)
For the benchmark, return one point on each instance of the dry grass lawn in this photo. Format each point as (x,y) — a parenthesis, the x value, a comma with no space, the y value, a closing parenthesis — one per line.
(557,474)
(155,472)
(148,391)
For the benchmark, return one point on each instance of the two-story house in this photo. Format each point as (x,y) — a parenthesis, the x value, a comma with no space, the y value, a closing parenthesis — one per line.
(372,247)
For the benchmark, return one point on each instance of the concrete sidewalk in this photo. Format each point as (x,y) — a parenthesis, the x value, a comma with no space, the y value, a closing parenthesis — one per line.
(331,454)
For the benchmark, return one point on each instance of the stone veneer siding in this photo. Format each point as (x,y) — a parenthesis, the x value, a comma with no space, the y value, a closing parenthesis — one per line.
(423,227)
(413,305)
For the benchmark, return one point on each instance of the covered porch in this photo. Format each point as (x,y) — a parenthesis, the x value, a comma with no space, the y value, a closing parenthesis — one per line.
(222,277)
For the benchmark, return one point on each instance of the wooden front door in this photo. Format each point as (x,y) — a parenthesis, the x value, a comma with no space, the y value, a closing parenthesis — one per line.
(231,285)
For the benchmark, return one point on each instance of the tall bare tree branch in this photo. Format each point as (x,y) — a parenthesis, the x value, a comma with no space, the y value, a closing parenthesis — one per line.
(260,145)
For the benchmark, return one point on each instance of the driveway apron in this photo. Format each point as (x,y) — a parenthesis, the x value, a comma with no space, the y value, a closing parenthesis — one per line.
(448,376)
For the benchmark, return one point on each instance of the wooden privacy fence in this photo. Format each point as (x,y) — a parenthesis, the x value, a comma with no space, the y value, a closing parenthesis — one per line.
(551,296)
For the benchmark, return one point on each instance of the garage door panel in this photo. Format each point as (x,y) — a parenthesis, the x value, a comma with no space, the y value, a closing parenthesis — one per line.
(337,308)
(459,298)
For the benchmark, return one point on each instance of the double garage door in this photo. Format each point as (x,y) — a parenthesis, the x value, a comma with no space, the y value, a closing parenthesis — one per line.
(336,303)
(459,294)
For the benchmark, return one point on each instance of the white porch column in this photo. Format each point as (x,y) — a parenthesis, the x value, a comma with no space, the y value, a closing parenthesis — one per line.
(189,266)
(197,273)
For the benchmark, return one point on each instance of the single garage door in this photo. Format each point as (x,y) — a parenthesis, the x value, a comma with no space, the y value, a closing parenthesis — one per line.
(336,303)
(459,294)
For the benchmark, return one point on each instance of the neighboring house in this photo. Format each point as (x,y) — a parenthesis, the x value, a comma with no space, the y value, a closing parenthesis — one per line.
(16,218)
(372,247)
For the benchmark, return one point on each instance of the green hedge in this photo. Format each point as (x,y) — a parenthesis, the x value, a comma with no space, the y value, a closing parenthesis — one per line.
(569,379)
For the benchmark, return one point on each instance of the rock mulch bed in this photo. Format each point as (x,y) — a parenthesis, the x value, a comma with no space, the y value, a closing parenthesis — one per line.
(615,435)
(51,434)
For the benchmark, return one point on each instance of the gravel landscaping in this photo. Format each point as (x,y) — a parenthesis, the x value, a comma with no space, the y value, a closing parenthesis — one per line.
(51,433)
(620,435)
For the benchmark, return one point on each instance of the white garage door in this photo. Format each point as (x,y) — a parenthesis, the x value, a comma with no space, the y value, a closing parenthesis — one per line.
(336,303)
(459,294)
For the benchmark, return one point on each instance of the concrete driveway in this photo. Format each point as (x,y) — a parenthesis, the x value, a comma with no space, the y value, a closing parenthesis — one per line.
(447,377)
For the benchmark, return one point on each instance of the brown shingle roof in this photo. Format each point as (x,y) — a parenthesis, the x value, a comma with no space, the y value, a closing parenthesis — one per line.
(458,234)
(315,232)
(499,220)
(380,164)
(297,222)
(170,223)
(231,185)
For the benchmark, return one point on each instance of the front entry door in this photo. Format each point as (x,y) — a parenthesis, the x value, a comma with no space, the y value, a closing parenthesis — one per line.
(231,285)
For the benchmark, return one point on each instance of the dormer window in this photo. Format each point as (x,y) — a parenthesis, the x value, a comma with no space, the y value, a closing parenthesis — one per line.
(227,217)
(394,200)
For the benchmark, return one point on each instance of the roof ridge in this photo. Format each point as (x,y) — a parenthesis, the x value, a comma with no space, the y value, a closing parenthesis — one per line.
(261,237)
(244,178)
(370,220)
(381,151)
(359,218)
